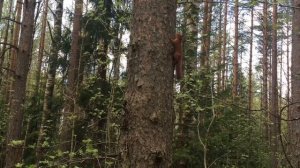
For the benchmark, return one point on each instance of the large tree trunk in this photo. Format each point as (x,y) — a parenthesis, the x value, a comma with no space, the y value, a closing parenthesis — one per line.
(146,139)
(295,77)
(14,152)
(48,121)
(68,114)
(274,93)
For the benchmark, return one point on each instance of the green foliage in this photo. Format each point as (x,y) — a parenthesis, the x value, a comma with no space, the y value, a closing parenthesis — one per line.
(215,129)
(3,121)
(33,116)
(16,143)
(94,96)
(90,149)
(233,140)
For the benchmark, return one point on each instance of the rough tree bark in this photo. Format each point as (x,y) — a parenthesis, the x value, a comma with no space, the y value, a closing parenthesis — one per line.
(146,139)
(14,152)
(295,77)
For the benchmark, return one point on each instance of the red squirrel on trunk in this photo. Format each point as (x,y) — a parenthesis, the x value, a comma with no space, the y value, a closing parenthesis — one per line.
(178,55)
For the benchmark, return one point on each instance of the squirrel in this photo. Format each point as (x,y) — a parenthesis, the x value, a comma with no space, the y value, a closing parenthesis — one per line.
(178,55)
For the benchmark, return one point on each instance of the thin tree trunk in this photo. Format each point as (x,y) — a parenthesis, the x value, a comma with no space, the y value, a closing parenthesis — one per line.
(205,49)
(205,53)
(41,47)
(67,123)
(48,118)
(250,93)
(104,42)
(270,90)
(148,119)
(205,73)
(224,60)
(14,152)
(235,49)
(13,52)
(1,6)
(117,52)
(274,93)
(280,72)
(190,63)
(288,68)
(102,67)
(5,41)
(265,66)
(219,61)
(288,79)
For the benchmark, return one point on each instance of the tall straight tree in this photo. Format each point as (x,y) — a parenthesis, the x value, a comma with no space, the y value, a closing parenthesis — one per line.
(146,139)
(14,152)
(68,115)
(41,46)
(15,41)
(274,92)
(250,93)
(224,42)
(219,59)
(47,124)
(4,48)
(205,55)
(288,28)
(235,49)
(295,77)
(265,66)
(205,48)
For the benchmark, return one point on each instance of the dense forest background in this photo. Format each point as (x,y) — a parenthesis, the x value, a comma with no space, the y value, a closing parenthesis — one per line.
(91,83)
